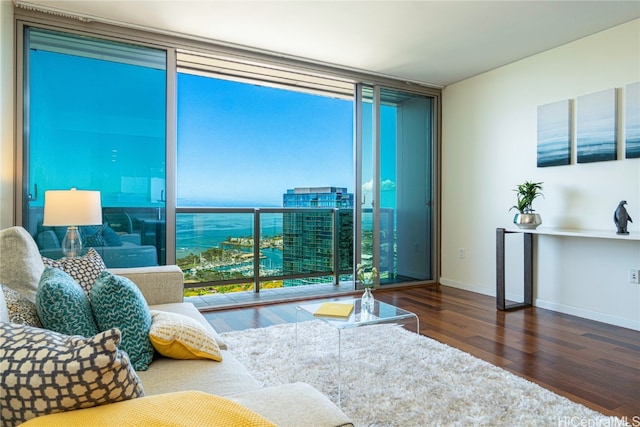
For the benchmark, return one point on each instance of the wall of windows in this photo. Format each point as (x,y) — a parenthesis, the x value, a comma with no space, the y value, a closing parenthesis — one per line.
(172,138)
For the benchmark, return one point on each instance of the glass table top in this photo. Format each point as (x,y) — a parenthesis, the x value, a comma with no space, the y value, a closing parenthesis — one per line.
(382,313)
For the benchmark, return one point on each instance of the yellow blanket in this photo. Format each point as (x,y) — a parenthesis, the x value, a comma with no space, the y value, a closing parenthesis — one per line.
(186,408)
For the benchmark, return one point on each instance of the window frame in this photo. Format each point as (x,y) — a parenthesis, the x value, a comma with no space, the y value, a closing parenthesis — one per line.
(173,44)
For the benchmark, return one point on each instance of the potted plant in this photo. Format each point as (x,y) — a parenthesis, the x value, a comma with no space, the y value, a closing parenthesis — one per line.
(526,216)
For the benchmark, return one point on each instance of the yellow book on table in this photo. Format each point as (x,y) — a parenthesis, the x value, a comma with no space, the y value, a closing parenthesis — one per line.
(334,309)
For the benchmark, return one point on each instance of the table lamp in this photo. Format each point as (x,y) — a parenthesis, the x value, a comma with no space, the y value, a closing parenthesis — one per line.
(72,208)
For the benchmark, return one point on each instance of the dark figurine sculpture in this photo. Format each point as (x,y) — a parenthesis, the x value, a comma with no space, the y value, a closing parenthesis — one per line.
(621,217)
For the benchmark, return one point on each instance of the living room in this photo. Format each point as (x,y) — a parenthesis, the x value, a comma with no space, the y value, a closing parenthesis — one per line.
(488,147)
(499,112)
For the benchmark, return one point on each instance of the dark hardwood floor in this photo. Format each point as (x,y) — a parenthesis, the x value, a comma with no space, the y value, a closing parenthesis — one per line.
(588,362)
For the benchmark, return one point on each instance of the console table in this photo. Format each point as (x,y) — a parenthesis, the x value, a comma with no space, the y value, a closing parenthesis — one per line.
(528,257)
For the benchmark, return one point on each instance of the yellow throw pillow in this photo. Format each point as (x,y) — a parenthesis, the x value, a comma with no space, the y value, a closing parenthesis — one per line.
(180,337)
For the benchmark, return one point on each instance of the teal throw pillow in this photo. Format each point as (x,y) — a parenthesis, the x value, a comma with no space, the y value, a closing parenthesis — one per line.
(118,303)
(84,270)
(63,306)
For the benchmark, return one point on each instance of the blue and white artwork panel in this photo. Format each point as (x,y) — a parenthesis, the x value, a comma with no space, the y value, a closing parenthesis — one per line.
(554,134)
(596,127)
(632,120)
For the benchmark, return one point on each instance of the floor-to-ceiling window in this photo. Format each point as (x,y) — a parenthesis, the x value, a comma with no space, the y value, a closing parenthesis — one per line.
(94,114)
(271,187)
(265,184)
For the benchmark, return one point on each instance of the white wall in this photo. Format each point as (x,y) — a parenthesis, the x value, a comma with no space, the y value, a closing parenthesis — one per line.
(489,146)
(6,114)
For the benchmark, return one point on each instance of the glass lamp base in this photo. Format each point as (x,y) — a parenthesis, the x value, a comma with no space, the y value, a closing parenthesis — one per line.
(72,244)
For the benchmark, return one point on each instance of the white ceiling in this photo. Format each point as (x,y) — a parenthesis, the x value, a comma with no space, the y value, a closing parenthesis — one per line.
(433,42)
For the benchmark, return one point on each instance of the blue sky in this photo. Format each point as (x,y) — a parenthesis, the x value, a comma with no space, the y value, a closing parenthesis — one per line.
(245,145)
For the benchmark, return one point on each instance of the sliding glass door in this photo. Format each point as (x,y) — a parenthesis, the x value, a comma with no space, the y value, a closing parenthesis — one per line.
(396,175)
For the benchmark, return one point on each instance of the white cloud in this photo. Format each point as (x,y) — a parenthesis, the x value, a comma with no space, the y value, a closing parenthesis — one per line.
(386,185)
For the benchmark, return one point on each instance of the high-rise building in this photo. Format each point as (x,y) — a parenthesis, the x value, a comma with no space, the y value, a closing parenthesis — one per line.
(308,236)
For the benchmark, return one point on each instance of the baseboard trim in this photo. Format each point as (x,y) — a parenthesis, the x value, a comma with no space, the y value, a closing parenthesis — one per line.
(466,287)
(588,314)
(550,305)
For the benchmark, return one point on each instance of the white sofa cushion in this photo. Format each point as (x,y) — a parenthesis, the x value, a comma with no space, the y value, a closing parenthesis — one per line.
(166,375)
(160,285)
(275,403)
(4,310)
(20,263)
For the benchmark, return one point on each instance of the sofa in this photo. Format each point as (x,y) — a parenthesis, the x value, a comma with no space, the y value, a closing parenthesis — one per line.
(166,381)
(118,250)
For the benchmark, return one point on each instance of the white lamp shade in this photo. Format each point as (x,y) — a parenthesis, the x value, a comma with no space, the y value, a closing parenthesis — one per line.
(72,207)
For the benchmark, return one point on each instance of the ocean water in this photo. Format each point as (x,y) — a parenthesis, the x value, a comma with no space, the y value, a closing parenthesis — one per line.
(196,233)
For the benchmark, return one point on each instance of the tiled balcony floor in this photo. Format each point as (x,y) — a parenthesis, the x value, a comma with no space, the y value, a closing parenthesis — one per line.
(293,293)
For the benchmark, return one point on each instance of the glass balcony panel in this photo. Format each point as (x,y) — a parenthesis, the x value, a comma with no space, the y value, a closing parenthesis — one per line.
(271,245)
(215,247)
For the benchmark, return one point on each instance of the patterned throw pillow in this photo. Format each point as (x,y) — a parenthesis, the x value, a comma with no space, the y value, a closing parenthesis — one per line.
(181,337)
(46,372)
(99,235)
(63,306)
(21,310)
(85,270)
(94,240)
(118,303)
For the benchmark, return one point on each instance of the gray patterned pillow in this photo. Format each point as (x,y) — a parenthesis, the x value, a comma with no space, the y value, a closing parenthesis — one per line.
(45,372)
(85,270)
(21,310)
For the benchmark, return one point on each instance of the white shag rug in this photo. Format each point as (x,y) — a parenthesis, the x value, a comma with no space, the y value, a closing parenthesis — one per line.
(393,377)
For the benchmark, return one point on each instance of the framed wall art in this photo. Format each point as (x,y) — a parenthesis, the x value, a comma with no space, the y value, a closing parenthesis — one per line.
(596,127)
(632,120)
(554,134)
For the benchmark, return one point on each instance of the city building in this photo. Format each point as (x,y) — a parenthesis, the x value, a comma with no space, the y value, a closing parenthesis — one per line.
(308,240)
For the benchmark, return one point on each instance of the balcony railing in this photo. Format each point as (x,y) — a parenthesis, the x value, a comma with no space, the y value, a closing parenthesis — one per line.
(288,246)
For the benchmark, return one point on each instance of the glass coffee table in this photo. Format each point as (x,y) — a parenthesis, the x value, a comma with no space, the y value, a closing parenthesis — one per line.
(382,313)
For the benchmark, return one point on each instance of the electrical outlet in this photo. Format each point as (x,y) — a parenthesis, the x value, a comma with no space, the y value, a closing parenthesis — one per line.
(461,255)
(633,276)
